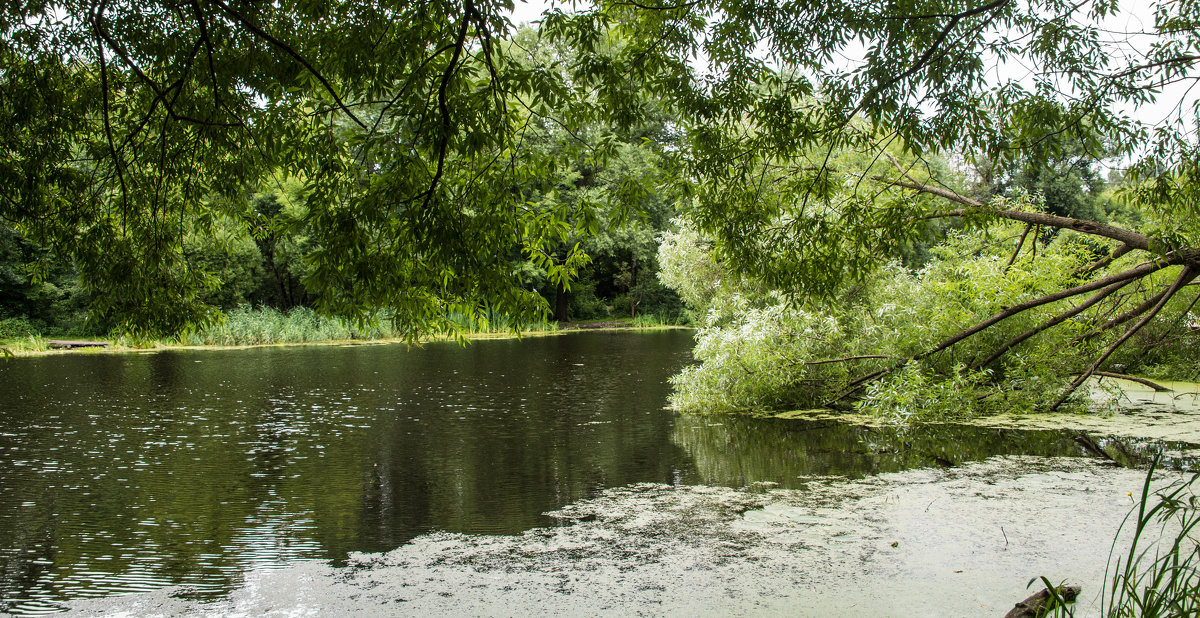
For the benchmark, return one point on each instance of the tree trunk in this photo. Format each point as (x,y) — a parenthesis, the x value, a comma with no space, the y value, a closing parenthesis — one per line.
(560,303)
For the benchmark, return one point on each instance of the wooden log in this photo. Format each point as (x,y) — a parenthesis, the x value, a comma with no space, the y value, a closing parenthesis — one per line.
(1036,605)
(67,345)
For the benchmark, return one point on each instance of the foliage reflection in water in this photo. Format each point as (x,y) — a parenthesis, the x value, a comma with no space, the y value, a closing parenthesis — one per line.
(126,472)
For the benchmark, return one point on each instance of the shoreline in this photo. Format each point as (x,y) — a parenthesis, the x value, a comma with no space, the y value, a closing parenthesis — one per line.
(115,348)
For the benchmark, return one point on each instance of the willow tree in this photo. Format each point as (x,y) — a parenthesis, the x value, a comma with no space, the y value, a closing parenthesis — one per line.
(791,88)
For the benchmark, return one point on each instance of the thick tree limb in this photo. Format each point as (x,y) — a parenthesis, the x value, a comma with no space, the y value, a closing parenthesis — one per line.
(1052,322)
(1186,276)
(857,384)
(1134,273)
(1040,604)
(1131,238)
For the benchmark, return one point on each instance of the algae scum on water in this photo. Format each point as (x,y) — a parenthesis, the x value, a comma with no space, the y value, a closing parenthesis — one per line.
(515,477)
(959,541)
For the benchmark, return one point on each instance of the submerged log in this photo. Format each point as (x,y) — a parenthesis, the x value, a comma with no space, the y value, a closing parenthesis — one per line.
(1037,604)
(67,345)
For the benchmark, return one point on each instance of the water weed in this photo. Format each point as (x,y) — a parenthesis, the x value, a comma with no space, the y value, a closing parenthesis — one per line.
(1159,575)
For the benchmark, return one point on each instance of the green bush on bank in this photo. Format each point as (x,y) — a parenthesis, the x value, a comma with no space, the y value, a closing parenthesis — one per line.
(16,328)
(763,350)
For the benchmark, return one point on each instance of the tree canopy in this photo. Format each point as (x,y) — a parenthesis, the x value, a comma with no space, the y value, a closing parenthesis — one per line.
(805,148)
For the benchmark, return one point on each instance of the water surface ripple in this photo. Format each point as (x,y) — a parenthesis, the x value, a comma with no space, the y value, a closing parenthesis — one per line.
(127,472)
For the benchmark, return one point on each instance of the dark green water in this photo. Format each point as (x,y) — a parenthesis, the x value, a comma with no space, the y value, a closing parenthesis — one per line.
(127,472)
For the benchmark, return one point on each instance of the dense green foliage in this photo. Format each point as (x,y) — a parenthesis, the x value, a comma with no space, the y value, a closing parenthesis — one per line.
(183,179)
(449,166)
(759,350)
(817,200)
(135,131)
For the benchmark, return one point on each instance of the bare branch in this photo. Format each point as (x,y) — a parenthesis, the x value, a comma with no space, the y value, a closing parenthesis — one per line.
(1158,388)
(1187,275)
(847,358)
(1020,244)
(1133,239)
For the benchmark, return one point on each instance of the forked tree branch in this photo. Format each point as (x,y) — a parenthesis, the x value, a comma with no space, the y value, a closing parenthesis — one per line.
(1186,276)
(1146,305)
(1137,272)
(1051,323)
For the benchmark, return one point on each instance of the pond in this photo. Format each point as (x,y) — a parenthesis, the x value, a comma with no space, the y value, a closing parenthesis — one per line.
(131,472)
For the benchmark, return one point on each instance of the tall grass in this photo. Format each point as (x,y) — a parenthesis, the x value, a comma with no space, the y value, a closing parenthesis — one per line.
(246,326)
(494,322)
(1159,575)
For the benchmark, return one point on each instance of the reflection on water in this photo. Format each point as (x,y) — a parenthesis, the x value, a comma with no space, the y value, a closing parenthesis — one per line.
(127,472)
(121,472)
(736,451)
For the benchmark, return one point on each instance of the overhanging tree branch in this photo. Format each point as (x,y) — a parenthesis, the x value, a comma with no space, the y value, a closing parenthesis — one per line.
(287,49)
(1186,276)
(1134,273)
(1131,238)
(443,105)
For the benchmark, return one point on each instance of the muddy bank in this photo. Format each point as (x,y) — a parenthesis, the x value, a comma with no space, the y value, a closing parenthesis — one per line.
(959,541)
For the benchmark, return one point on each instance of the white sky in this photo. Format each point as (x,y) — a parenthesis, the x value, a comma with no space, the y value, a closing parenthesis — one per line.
(525,12)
